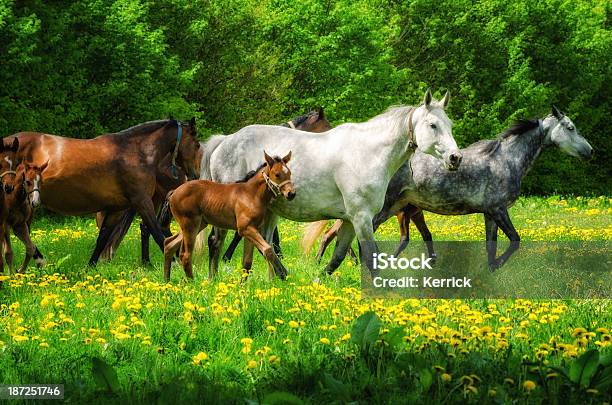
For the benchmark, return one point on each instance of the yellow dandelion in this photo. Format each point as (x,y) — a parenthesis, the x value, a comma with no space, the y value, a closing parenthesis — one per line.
(446,377)
(324,340)
(251,364)
(529,385)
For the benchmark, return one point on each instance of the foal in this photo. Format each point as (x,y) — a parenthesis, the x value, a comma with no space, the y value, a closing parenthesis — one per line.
(21,204)
(240,206)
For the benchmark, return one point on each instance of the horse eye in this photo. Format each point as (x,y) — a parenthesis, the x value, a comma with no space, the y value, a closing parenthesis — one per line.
(570,127)
(433,126)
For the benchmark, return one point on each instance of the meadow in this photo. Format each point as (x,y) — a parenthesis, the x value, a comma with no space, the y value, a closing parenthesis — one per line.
(118,333)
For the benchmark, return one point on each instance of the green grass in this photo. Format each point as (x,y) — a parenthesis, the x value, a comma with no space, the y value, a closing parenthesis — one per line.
(306,343)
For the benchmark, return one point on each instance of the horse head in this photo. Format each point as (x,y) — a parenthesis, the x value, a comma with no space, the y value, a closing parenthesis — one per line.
(564,134)
(431,131)
(187,148)
(7,164)
(278,176)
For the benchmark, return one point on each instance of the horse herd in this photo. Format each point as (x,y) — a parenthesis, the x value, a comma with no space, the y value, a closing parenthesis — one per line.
(399,163)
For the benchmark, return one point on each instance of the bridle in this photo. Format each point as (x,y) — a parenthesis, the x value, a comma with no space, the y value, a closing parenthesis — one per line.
(275,188)
(179,136)
(411,139)
(7,173)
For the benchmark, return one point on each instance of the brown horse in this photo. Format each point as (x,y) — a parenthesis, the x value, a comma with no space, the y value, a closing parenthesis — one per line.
(7,177)
(21,204)
(315,122)
(166,181)
(109,173)
(241,206)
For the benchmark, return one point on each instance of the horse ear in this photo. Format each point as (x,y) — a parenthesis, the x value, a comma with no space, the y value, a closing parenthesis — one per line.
(427,99)
(269,160)
(445,99)
(321,113)
(287,158)
(556,113)
(15,146)
(44,166)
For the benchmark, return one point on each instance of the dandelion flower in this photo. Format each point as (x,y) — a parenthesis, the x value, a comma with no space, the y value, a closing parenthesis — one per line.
(529,385)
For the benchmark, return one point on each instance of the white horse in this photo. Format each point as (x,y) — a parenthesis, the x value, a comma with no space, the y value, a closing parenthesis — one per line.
(342,173)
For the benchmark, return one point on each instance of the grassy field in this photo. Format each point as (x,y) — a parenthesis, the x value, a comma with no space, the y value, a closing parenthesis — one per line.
(119,333)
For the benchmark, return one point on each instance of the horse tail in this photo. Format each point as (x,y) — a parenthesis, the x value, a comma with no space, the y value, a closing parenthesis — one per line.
(117,234)
(312,232)
(165,215)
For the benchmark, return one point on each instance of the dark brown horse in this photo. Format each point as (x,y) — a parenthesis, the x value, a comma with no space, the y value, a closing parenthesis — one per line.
(8,158)
(166,181)
(109,173)
(21,203)
(314,121)
(241,206)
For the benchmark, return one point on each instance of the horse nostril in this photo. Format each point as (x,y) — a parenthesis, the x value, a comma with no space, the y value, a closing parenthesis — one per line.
(455,158)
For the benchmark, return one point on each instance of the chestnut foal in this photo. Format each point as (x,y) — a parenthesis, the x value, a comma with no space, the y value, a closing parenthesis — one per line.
(240,206)
(21,204)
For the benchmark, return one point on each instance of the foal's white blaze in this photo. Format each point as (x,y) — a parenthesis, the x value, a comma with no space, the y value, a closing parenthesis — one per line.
(35,198)
(10,162)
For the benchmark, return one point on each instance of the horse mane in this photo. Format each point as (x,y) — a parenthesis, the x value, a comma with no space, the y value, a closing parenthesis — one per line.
(252,173)
(518,128)
(297,121)
(144,128)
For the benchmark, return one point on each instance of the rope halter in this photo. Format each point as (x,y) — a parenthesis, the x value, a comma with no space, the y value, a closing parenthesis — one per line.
(275,188)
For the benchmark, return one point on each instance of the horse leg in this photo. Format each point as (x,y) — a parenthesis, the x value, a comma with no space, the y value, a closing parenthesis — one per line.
(104,235)
(247,257)
(362,222)
(190,232)
(215,244)
(346,233)
(502,218)
(8,251)
(491,241)
(232,247)
(39,259)
(327,238)
(120,223)
(419,220)
(276,243)
(251,233)
(171,245)
(145,257)
(403,218)
(145,208)
(23,233)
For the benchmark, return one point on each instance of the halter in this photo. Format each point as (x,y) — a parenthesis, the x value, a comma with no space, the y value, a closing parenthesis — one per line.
(411,139)
(275,188)
(179,136)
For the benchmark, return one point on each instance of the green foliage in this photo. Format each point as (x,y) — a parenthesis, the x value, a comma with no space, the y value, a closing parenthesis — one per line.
(80,68)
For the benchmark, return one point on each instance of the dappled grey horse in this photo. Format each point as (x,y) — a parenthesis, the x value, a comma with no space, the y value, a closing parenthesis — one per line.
(342,173)
(488,181)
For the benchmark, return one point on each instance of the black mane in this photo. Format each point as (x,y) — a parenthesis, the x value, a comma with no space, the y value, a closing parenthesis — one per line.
(297,121)
(144,128)
(489,146)
(520,127)
(252,173)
